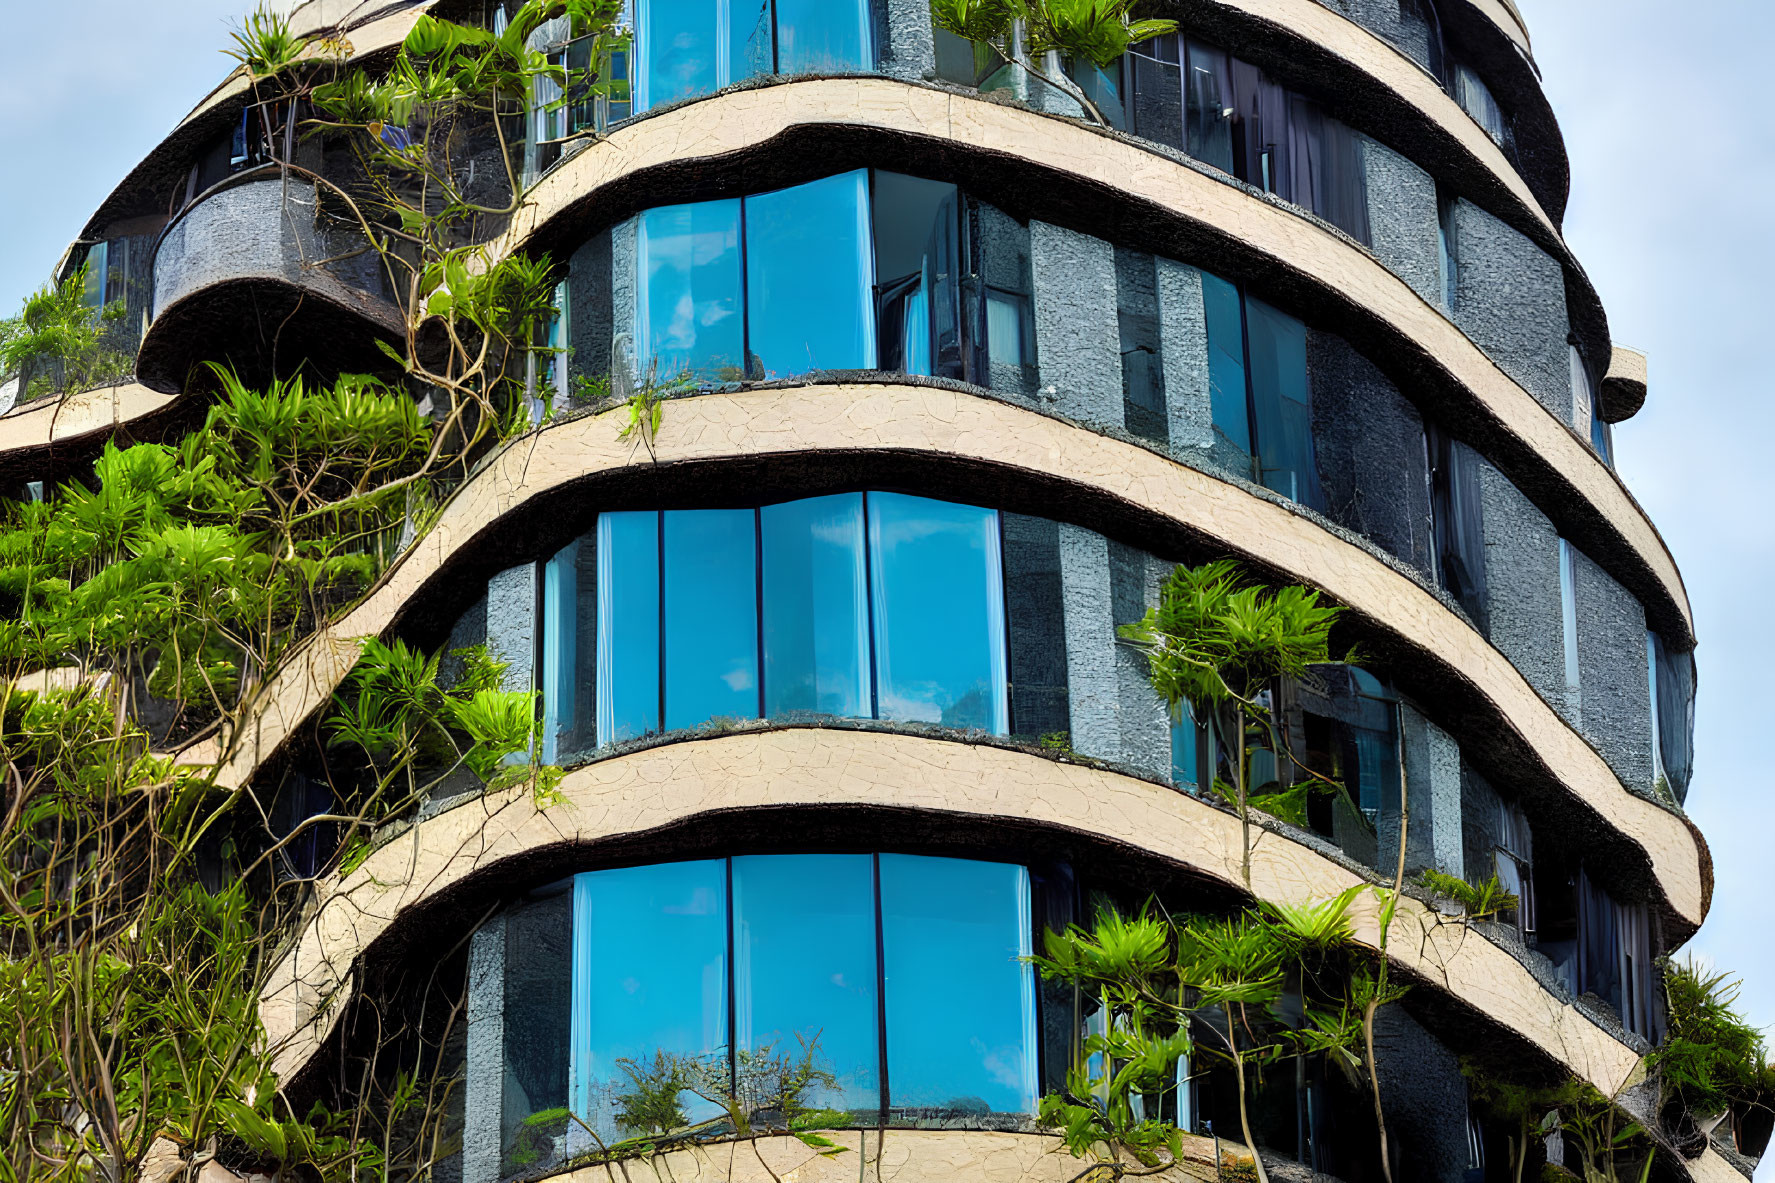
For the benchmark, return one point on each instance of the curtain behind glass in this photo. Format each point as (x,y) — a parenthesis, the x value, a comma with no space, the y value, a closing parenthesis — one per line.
(710,616)
(628,625)
(938,598)
(918,273)
(805,973)
(816,608)
(959,1004)
(667,927)
(809,273)
(679,50)
(1227,393)
(568,669)
(689,286)
(1282,400)
(1599,945)
(1458,521)
(1676,716)
(824,36)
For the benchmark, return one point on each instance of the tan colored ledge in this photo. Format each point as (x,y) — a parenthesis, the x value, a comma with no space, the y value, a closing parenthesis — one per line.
(744,120)
(814,769)
(1504,14)
(912,420)
(1624,386)
(59,420)
(899,1156)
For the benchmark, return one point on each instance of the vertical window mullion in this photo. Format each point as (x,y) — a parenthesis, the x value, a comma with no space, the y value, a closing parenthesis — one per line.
(869,600)
(758,575)
(1004,596)
(660,546)
(733,1031)
(880,998)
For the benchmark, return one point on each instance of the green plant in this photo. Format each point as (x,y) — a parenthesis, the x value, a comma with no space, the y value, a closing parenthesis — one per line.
(1019,31)
(1208,987)
(1057,741)
(1712,1058)
(58,343)
(264,44)
(1478,901)
(1214,643)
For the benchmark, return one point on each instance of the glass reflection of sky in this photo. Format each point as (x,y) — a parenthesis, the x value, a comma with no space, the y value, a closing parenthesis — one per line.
(688,308)
(650,975)
(1226,362)
(816,608)
(677,50)
(711,616)
(628,625)
(809,273)
(939,612)
(804,966)
(960,1006)
(824,36)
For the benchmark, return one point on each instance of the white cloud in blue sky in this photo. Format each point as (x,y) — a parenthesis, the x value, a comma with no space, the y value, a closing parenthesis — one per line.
(1672,140)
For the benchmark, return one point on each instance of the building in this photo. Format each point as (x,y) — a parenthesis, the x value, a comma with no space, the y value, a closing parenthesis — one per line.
(833,665)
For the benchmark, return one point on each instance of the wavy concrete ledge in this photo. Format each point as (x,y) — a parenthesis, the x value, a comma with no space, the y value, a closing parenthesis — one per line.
(814,769)
(1335,271)
(69,418)
(902,1156)
(908,421)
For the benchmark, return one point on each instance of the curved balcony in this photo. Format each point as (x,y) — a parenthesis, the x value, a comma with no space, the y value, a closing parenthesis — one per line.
(254,268)
(969,445)
(781,134)
(694,798)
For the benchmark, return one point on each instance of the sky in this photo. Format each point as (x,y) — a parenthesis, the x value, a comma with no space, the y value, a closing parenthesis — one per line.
(1643,89)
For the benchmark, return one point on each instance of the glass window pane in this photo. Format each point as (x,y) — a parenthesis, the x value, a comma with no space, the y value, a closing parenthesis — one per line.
(630,1009)
(1210,103)
(917,293)
(560,653)
(936,579)
(1283,401)
(711,616)
(749,40)
(628,625)
(1155,81)
(804,972)
(824,36)
(810,272)
(954,930)
(1226,373)
(678,50)
(687,308)
(816,608)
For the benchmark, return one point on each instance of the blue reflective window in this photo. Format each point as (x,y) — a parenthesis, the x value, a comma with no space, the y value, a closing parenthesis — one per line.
(816,607)
(751,45)
(678,50)
(687,310)
(1282,399)
(804,969)
(959,1004)
(824,36)
(1226,369)
(711,616)
(936,585)
(649,978)
(1186,754)
(810,268)
(628,625)
(560,652)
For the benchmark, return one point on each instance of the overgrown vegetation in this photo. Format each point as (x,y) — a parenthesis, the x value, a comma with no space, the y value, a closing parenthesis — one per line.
(59,344)
(1478,901)
(1712,1061)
